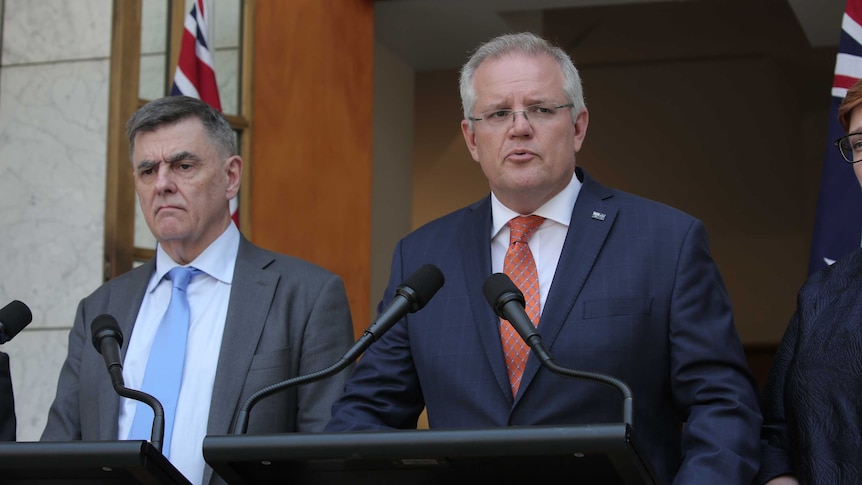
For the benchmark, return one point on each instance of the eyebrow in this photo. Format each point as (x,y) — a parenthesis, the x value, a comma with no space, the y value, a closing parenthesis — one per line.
(176,157)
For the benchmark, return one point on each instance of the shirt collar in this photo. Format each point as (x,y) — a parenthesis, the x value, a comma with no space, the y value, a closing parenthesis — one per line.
(558,209)
(217,260)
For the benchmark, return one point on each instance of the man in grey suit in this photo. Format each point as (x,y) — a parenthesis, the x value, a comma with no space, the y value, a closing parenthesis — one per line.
(256,317)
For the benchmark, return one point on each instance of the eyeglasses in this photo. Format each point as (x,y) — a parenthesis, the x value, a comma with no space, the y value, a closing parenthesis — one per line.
(538,113)
(850,147)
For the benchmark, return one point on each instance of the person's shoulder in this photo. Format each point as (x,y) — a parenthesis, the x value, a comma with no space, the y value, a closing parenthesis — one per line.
(140,274)
(842,273)
(452,220)
(275,261)
(628,201)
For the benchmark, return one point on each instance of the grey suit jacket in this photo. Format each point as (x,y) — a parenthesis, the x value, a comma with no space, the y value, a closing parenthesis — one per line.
(286,317)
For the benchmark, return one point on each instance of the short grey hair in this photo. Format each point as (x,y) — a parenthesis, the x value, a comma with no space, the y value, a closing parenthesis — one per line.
(172,109)
(520,43)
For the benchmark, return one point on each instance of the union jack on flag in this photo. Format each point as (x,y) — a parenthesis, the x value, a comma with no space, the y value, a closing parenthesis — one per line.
(838,223)
(195,74)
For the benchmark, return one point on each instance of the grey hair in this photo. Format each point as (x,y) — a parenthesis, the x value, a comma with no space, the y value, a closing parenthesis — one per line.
(172,109)
(520,43)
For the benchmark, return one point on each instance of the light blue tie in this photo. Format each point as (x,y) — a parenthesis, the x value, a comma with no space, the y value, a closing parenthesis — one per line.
(164,371)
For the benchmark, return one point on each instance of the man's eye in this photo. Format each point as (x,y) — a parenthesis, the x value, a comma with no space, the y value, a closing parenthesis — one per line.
(503,113)
(542,110)
(147,171)
(185,166)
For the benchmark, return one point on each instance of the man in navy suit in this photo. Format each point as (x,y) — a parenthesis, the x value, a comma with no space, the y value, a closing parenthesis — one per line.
(628,288)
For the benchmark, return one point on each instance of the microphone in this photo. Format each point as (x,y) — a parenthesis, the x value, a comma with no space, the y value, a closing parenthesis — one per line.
(107,338)
(508,303)
(13,318)
(410,296)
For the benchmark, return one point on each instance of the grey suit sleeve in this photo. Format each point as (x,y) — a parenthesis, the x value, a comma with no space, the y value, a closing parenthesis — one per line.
(64,422)
(328,335)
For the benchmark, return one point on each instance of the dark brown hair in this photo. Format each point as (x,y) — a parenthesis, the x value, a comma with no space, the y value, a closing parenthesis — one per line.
(851,100)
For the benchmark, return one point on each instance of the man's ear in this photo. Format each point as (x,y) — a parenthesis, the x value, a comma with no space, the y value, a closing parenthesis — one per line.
(233,168)
(581,123)
(470,139)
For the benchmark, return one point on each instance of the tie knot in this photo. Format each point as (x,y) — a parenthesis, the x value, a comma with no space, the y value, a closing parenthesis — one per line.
(522,227)
(181,275)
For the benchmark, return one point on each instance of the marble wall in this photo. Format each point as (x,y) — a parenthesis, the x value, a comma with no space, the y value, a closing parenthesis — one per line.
(54,83)
(53,126)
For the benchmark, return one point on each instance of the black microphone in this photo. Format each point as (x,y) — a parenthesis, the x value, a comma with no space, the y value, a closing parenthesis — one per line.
(13,318)
(508,303)
(107,338)
(412,295)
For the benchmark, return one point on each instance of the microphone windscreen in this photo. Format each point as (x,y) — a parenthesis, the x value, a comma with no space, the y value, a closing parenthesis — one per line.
(424,282)
(105,326)
(14,317)
(499,290)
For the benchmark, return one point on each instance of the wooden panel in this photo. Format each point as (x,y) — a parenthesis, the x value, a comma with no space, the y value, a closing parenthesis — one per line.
(311,150)
(120,191)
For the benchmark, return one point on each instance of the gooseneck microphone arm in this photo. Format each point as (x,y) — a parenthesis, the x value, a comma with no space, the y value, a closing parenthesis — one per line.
(508,303)
(241,423)
(107,338)
(410,296)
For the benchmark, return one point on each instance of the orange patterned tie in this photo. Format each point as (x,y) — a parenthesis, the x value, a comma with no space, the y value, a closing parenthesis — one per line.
(520,266)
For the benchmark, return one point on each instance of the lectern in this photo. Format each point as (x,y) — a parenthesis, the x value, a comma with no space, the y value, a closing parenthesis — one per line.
(129,462)
(605,454)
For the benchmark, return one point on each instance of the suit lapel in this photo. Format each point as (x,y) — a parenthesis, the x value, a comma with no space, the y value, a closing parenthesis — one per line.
(592,218)
(124,303)
(251,296)
(474,236)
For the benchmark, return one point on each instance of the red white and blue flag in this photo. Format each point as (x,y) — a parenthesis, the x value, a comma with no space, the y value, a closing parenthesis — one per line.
(838,223)
(195,74)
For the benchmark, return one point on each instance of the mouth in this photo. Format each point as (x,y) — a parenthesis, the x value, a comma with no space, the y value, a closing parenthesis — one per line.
(168,208)
(520,155)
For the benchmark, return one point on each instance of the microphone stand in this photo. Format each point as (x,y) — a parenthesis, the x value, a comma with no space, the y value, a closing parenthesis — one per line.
(535,342)
(158,433)
(241,424)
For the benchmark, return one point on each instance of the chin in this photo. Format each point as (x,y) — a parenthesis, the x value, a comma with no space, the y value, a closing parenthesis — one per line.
(167,233)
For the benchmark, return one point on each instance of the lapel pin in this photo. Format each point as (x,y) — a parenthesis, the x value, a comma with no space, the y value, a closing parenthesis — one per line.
(599,216)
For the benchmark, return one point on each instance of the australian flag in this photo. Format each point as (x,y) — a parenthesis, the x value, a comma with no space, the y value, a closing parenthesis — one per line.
(838,223)
(195,75)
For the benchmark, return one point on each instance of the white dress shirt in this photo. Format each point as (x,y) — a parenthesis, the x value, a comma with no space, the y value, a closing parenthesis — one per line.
(546,243)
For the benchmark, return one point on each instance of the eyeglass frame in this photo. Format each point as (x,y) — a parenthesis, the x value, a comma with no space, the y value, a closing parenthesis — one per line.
(512,112)
(837,144)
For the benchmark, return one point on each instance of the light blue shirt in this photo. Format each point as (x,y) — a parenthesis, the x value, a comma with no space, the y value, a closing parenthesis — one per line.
(209,295)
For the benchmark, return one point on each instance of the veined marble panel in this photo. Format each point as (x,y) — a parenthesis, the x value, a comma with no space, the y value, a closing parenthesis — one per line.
(55,30)
(53,129)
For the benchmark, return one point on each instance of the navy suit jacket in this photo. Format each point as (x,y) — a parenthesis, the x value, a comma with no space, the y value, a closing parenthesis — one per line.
(7,401)
(286,317)
(636,295)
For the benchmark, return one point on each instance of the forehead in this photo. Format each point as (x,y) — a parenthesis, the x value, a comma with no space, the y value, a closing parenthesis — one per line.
(516,76)
(856,120)
(184,135)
